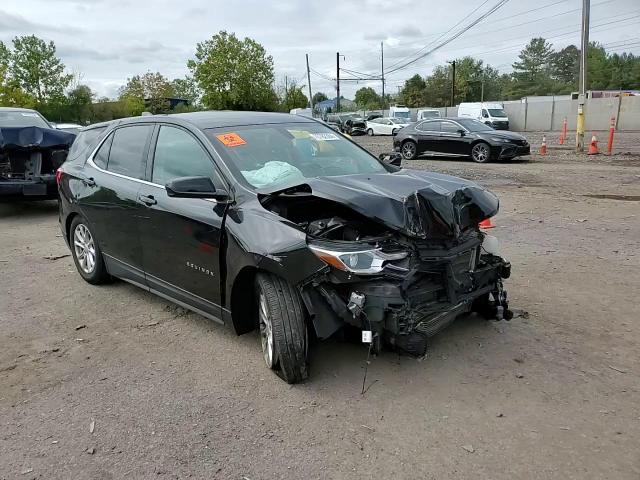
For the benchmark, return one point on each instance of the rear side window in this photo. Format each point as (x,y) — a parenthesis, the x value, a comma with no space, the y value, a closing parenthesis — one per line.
(85,142)
(128,150)
(178,154)
(430,126)
(102,155)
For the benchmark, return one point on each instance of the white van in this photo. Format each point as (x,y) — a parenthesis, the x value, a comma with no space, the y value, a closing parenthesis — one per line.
(425,113)
(401,112)
(491,114)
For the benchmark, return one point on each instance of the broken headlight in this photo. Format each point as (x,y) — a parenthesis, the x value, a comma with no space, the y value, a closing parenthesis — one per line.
(362,262)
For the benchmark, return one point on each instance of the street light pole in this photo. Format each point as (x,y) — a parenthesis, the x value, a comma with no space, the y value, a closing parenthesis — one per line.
(582,86)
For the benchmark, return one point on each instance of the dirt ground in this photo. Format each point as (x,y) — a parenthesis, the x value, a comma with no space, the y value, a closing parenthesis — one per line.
(112,382)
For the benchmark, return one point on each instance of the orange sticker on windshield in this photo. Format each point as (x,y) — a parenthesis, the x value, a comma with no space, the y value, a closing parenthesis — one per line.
(231,139)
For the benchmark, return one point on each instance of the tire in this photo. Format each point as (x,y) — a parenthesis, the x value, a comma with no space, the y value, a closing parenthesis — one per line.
(481,152)
(283,330)
(370,132)
(86,252)
(409,150)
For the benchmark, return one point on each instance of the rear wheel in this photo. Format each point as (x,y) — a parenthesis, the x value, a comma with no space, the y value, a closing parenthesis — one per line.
(481,152)
(283,330)
(86,252)
(370,132)
(409,150)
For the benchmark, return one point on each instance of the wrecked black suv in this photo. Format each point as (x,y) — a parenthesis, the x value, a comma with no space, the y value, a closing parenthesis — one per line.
(31,151)
(277,222)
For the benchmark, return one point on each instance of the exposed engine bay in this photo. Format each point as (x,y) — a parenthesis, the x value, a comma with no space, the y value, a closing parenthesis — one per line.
(401,284)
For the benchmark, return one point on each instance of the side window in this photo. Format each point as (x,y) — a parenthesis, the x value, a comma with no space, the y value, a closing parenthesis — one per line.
(178,154)
(102,155)
(448,127)
(429,126)
(128,148)
(485,114)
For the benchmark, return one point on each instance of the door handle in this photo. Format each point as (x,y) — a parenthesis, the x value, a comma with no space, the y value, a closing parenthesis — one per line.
(148,200)
(89,182)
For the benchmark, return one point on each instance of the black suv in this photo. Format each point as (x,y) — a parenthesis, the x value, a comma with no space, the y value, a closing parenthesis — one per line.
(277,222)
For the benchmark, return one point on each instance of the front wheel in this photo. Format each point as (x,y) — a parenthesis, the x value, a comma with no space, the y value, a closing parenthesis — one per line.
(283,330)
(409,150)
(481,152)
(370,132)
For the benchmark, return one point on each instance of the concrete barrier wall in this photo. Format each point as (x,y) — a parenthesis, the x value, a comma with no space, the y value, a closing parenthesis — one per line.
(548,113)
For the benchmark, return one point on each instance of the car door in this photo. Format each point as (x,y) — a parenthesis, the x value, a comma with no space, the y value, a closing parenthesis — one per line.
(428,136)
(181,236)
(451,140)
(113,178)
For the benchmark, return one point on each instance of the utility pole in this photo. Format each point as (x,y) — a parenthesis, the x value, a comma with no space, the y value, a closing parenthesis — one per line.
(286,90)
(309,83)
(382,70)
(453,82)
(582,87)
(337,82)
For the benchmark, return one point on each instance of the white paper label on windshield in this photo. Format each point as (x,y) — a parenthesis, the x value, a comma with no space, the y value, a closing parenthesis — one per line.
(324,137)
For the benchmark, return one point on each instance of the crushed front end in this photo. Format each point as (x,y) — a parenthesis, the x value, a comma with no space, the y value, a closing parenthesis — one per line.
(29,158)
(405,254)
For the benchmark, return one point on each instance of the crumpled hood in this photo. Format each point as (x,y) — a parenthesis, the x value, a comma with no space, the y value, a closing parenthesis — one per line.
(417,203)
(17,138)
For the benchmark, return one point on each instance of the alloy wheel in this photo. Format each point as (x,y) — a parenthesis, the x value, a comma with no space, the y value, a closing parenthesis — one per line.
(84,248)
(480,152)
(266,331)
(409,150)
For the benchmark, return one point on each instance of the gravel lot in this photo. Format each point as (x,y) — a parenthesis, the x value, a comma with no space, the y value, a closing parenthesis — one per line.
(112,382)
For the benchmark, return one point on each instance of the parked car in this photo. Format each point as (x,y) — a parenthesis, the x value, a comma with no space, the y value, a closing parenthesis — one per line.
(426,113)
(460,137)
(373,115)
(385,126)
(277,223)
(491,114)
(401,112)
(352,124)
(30,152)
(333,120)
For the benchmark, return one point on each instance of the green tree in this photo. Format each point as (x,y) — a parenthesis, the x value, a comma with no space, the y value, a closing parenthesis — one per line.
(11,95)
(293,97)
(234,74)
(565,65)
(319,97)
(531,74)
(37,71)
(187,89)
(79,101)
(146,92)
(366,98)
(413,92)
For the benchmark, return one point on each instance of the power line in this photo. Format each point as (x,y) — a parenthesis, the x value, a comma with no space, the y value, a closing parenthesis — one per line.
(452,38)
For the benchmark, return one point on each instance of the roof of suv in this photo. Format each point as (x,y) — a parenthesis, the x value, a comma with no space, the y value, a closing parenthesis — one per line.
(214,119)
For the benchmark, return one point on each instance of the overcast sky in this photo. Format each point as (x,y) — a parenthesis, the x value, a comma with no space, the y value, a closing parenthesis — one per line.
(110,40)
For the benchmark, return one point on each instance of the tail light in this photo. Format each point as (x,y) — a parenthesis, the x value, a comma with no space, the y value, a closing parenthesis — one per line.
(58,176)
(486,223)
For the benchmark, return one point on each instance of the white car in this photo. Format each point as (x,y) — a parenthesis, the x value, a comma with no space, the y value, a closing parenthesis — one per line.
(385,126)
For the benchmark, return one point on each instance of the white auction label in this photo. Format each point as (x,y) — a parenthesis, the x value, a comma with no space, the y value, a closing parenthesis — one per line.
(367,337)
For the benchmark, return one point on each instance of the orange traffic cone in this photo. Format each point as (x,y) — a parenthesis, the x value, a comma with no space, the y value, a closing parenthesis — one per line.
(543,147)
(593,146)
(486,223)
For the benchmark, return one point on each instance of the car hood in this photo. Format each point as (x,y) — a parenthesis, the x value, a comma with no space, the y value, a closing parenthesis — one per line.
(504,134)
(416,203)
(19,138)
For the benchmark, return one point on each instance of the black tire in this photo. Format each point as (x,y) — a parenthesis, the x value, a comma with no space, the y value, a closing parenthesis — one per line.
(98,273)
(409,150)
(370,132)
(289,354)
(481,152)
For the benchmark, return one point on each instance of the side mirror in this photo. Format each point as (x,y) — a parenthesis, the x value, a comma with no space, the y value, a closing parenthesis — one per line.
(194,187)
(462,132)
(393,158)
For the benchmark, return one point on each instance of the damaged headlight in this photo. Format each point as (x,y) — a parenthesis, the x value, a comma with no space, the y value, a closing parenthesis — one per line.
(361,262)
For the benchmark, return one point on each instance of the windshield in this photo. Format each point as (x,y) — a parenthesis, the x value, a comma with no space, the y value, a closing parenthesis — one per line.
(430,114)
(473,125)
(497,112)
(402,115)
(270,155)
(22,119)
